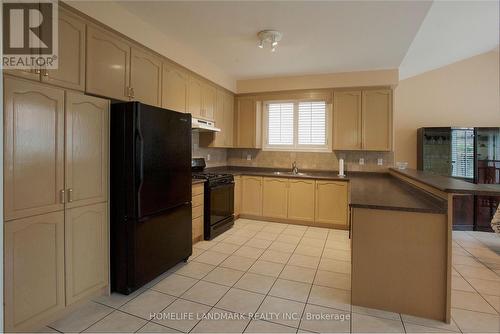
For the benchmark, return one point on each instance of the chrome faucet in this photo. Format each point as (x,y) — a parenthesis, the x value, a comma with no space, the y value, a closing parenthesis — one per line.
(295,170)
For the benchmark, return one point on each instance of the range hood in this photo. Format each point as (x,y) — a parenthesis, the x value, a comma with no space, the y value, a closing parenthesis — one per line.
(203,126)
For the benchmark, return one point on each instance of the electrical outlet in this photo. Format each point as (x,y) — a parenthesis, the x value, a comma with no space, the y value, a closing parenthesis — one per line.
(208,157)
(380,161)
(361,161)
(249,157)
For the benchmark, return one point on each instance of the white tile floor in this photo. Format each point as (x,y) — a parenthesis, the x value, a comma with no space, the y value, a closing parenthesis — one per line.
(260,268)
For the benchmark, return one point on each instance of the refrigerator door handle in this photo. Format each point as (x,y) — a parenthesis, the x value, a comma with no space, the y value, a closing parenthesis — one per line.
(139,144)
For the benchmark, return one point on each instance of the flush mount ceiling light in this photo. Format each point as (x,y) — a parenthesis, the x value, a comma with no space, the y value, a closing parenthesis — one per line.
(269,36)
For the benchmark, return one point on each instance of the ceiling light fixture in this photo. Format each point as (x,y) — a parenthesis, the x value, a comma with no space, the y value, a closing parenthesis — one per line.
(269,36)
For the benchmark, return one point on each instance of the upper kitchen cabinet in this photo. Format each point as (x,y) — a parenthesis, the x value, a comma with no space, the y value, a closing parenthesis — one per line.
(33,148)
(108,64)
(347,120)
(145,77)
(86,149)
(224,119)
(71,59)
(174,88)
(248,120)
(194,96)
(228,122)
(208,101)
(377,120)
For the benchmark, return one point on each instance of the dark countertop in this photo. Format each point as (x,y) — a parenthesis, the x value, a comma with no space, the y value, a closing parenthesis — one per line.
(197,181)
(449,184)
(368,190)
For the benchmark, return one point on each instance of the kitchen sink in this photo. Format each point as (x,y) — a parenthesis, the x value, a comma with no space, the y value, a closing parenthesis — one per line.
(290,174)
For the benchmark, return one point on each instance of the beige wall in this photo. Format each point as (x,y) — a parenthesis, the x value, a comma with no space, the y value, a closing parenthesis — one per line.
(333,80)
(465,93)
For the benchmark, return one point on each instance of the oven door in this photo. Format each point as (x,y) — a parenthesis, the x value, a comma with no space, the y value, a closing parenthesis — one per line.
(221,202)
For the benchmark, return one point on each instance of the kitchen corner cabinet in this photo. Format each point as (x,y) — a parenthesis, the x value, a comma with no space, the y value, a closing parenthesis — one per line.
(248,122)
(347,120)
(331,203)
(87,123)
(251,195)
(145,77)
(275,197)
(237,196)
(224,119)
(362,120)
(34,270)
(174,88)
(301,196)
(33,148)
(377,120)
(86,246)
(108,64)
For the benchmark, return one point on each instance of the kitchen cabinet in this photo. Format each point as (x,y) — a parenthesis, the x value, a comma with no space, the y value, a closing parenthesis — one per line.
(251,195)
(237,196)
(197,212)
(224,119)
(275,197)
(194,97)
(301,198)
(86,247)
(208,101)
(34,270)
(347,120)
(87,123)
(174,88)
(145,77)
(377,120)
(228,122)
(33,148)
(248,122)
(108,64)
(71,58)
(331,203)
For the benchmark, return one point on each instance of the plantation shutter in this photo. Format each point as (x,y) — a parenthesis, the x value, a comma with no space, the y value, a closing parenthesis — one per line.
(312,123)
(280,123)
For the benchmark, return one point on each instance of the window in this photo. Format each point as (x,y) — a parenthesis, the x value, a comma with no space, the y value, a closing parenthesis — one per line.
(462,153)
(297,126)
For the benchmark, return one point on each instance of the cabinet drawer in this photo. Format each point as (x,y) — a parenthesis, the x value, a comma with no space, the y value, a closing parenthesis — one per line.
(197,200)
(197,211)
(197,189)
(197,227)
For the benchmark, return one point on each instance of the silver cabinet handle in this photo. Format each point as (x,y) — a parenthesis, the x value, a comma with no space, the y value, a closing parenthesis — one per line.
(132,92)
(70,195)
(63,197)
(37,71)
(45,73)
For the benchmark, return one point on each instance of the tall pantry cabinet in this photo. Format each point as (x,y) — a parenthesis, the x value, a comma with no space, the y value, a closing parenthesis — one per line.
(56,194)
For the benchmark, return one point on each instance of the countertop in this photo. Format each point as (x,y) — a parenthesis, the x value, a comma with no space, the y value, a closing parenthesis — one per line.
(197,181)
(449,184)
(367,190)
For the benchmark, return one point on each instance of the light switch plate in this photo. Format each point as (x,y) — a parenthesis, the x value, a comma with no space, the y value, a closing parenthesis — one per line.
(208,157)
(361,161)
(380,161)
(249,157)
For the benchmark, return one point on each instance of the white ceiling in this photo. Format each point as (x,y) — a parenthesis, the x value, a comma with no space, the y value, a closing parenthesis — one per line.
(319,37)
(452,31)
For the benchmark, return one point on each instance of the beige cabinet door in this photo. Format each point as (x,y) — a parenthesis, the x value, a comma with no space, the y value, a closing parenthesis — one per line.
(208,100)
(218,139)
(251,195)
(33,148)
(347,120)
(301,199)
(87,137)
(174,88)
(275,197)
(331,203)
(31,74)
(228,122)
(194,97)
(377,120)
(248,123)
(86,244)
(145,77)
(34,270)
(108,65)
(71,59)
(237,195)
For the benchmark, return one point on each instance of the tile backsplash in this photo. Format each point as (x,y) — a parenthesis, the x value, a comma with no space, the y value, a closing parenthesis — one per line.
(305,160)
(218,156)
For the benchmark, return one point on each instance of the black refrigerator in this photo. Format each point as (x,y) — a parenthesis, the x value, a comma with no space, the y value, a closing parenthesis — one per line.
(470,154)
(150,180)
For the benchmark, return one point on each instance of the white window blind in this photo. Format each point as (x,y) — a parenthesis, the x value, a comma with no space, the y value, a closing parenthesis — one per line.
(312,123)
(280,124)
(462,152)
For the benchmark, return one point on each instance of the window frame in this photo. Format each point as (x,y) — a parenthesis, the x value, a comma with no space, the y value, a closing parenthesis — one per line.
(296,147)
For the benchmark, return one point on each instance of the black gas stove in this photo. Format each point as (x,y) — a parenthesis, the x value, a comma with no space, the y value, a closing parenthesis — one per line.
(218,212)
